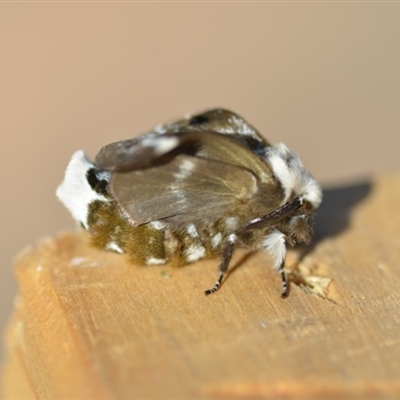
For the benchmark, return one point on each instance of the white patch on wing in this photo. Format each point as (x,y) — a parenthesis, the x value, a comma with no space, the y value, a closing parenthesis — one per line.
(243,128)
(155,261)
(160,144)
(275,245)
(75,192)
(195,252)
(114,247)
(237,125)
(216,240)
(294,178)
(185,170)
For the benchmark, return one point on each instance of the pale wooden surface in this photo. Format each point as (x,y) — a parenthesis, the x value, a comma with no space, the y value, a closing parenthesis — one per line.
(86,325)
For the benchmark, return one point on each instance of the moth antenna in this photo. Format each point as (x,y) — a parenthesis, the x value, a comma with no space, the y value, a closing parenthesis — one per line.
(226,258)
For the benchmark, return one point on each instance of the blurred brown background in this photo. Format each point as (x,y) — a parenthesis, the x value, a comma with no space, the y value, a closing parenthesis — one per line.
(322,77)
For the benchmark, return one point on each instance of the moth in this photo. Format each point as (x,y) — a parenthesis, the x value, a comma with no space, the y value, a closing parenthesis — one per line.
(196,188)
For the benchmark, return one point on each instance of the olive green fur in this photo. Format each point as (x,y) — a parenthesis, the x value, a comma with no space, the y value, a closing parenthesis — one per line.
(144,242)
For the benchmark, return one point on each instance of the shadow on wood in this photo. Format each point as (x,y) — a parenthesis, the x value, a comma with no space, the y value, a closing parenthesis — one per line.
(332,217)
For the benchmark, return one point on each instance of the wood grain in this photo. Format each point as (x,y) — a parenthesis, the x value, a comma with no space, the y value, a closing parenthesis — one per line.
(87,325)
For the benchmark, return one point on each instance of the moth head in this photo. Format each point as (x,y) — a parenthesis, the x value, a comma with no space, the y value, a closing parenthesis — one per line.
(299,229)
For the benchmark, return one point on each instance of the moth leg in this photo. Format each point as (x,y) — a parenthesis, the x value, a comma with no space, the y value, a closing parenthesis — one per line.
(275,244)
(285,287)
(226,258)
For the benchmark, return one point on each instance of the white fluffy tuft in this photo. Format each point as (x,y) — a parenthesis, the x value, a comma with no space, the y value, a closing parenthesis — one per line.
(114,247)
(195,252)
(294,178)
(216,240)
(231,223)
(192,231)
(275,245)
(158,225)
(75,192)
(155,261)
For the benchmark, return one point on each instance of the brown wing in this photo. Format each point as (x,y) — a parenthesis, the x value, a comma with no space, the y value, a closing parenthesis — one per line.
(185,188)
(224,151)
(216,120)
(153,150)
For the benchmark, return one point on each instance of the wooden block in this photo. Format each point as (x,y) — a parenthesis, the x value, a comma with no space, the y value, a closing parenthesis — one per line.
(87,325)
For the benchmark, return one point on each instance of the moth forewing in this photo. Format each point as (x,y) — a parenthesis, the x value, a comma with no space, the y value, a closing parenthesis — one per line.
(137,153)
(149,151)
(183,188)
(194,188)
(220,121)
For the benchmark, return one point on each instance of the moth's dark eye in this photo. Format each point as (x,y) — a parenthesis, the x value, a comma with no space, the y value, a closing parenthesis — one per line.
(100,186)
(199,120)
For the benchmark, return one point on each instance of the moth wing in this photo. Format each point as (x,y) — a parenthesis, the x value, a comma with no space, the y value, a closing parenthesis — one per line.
(224,122)
(183,189)
(217,120)
(153,150)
